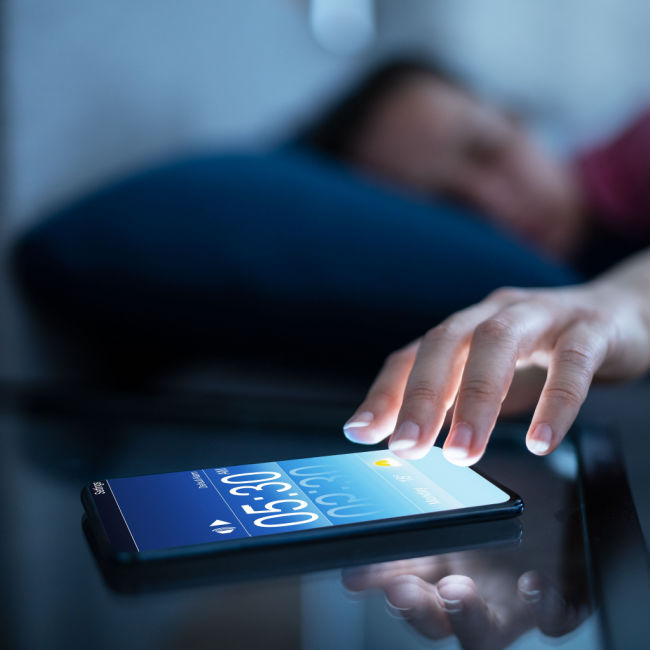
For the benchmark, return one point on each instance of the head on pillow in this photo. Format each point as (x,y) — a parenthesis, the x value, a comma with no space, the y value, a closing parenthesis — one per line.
(413,125)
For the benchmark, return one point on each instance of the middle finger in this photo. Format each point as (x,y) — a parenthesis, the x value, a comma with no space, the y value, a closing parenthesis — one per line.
(497,343)
(433,381)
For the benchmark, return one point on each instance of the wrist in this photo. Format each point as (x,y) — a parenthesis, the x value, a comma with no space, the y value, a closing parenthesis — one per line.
(628,281)
(627,306)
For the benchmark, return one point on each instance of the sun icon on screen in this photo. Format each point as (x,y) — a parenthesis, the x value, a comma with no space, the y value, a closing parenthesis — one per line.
(388,462)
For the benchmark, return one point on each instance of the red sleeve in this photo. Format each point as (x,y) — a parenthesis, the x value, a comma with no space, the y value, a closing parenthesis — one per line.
(616,179)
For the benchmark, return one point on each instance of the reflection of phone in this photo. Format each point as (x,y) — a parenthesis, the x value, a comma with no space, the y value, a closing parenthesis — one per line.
(307,557)
(203,512)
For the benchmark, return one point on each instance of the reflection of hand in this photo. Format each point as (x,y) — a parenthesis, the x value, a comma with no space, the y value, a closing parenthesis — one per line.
(487,613)
(577,333)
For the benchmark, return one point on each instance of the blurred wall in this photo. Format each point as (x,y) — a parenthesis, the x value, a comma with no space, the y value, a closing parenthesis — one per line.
(577,69)
(96,88)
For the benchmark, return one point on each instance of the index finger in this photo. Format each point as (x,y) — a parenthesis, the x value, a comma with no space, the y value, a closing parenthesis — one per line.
(375,419)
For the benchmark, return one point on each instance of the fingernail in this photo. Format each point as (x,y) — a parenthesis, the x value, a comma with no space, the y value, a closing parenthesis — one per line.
(451,606)
(360,421)
(539,440)
(450,596)
(406,437)
(531,595)
(397,612)
(458,443)
(404,595)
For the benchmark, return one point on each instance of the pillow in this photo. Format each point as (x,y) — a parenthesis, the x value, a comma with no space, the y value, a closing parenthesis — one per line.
(270,252)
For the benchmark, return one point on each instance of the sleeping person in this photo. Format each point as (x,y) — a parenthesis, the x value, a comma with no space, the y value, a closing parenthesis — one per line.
(415,128)
(292,256)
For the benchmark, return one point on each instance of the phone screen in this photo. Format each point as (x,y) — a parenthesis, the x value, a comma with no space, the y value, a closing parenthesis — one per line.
(225,503)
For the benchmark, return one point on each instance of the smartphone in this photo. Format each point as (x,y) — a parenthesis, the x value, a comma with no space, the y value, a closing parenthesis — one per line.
(211,511)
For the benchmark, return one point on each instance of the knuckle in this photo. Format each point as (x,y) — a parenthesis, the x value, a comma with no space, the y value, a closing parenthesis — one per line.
(506,294)
(382,398)
(599,316)
(421,391)
(577,356)
(445,332)
(590,314)
(478,389)
(495,329)
(567,393)
(397,358)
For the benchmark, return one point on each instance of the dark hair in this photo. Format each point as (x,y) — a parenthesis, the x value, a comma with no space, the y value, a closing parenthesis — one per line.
(334,132)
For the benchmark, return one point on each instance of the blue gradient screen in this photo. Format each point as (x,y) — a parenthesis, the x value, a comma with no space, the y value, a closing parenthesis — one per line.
(225,503)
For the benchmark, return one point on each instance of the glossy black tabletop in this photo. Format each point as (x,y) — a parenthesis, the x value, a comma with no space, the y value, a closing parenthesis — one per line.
(571,572)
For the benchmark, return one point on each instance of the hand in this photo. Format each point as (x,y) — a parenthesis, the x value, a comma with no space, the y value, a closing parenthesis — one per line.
(597,330)
(486,612)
